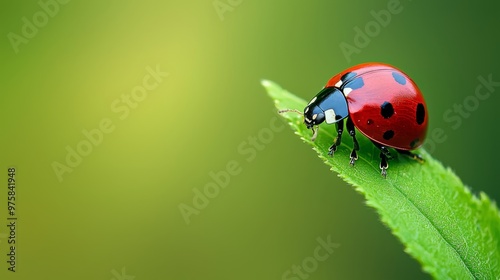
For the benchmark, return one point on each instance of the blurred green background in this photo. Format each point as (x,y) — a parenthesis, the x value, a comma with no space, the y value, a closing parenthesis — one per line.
(71,68)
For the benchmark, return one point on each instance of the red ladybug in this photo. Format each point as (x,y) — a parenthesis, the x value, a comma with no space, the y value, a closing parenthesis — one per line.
(381,101)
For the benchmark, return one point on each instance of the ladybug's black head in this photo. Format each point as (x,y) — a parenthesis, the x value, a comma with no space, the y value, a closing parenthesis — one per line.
(328,105)
(313,115)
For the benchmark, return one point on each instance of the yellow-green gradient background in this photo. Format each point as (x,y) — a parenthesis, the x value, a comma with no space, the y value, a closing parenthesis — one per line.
(119,208)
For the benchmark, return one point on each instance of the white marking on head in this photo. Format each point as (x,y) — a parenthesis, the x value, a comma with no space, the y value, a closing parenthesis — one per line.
(347,91)
(307,120)
(315,116)
(330,116)
(314,99)
(338,84)
(306,110)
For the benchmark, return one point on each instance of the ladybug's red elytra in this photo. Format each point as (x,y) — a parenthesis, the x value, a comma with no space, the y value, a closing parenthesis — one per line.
(378,99)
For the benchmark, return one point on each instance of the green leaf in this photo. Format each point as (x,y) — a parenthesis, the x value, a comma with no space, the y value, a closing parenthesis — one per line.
(451,232)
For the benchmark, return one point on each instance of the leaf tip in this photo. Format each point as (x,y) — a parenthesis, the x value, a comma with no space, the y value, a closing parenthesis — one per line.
(266,83)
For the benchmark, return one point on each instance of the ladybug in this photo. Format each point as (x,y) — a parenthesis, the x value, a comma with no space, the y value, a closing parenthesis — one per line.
(380,101)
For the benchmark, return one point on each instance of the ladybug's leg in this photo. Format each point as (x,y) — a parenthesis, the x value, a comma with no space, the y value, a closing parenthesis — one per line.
(416,157)
(352,132)
(384,156)
(340,128)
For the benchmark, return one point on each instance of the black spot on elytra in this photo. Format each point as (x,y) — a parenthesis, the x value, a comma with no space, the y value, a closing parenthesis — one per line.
(388,135)
(355,84)
(369,122)
(414,142)
(347,76)
(400,79)
(420,113)
(386,110)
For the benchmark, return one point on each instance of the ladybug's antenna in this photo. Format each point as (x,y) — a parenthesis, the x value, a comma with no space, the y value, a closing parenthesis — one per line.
(314,129)
(290,110)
